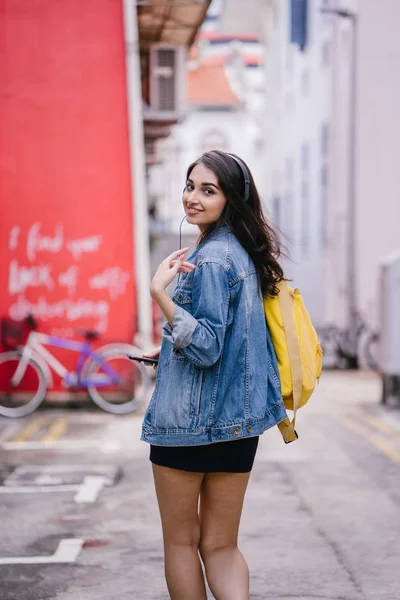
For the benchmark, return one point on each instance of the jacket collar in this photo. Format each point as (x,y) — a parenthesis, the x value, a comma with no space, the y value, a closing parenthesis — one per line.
(215,233)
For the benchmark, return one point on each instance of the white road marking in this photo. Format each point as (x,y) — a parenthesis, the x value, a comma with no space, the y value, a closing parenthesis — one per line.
(33,489)
(67,552)
(46,480)
(53,474)
(78,467)
(86,492)
(9,431)
(90,489)
(111,447)
(74,445)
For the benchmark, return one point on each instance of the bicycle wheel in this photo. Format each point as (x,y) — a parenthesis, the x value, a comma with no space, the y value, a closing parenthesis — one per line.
(115,383)
(371,351)
(20,397)
(328,339)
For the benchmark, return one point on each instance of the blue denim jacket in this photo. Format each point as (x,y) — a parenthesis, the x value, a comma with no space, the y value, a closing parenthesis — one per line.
(217,377)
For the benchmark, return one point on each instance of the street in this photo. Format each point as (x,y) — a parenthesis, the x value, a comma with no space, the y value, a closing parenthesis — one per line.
(321,519)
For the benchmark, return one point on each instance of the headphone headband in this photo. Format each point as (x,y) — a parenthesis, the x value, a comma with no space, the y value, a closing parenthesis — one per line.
(246,176)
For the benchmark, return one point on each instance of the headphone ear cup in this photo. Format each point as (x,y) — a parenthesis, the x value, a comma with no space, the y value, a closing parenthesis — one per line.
(246,177)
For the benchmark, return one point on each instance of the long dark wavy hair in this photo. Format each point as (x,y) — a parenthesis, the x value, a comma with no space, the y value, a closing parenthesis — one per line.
(246,219)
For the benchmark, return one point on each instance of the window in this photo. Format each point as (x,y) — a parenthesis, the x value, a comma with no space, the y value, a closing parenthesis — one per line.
(259,145)
(287,227)
(304,157)
(305,82)
(305,199)
(305,218)
(289,170)
(277,212)
(324,205)
(287,205)
(325,53)
(275,13)
(289,102)
(299,23)
(324,139)
(324,184)
(289,59)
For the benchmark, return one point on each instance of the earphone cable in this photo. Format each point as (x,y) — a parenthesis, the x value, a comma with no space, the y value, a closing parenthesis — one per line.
(180,243)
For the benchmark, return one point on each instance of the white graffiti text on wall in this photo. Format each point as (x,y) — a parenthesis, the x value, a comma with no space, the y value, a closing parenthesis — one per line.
(40,272)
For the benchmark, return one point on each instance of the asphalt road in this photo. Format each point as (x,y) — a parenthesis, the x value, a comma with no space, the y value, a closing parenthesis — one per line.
(321,521)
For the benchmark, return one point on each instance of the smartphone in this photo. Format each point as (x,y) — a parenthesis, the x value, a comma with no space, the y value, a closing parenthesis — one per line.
(150,361)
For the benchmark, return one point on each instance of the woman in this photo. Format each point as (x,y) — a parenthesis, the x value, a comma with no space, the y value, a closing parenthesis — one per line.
(217,386)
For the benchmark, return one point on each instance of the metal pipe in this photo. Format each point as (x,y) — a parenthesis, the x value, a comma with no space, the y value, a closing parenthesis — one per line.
(352,359)
(141,247)
(352,267)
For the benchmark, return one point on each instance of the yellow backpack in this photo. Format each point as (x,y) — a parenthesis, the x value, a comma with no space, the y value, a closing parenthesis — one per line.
(297,348)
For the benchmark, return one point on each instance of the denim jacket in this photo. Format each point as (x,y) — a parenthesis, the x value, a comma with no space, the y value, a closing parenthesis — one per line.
(217,376)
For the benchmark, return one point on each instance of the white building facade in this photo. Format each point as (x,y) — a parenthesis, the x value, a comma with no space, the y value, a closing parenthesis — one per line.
(297,125)
(308,132)
(226,105)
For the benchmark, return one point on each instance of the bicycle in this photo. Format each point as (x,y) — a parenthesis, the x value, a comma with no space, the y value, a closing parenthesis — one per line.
(114,383)
(337,346)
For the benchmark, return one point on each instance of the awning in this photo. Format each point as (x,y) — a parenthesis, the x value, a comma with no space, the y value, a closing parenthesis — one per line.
(169,21)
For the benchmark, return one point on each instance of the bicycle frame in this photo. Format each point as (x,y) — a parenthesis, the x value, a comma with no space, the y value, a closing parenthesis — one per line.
(36,346)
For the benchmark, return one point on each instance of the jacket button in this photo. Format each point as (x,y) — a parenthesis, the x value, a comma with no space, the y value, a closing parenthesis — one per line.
(180,297)
(235,431)
(249,429)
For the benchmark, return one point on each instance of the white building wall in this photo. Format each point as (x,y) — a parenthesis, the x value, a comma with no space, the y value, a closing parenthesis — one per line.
(378,165)
(377,151)
(294,115)
(298,110)
(336,250)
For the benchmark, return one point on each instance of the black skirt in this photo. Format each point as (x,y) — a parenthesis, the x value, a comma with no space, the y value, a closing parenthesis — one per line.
(236,456)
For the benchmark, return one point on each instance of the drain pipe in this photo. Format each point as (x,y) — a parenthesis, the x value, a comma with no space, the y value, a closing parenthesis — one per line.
(141,248)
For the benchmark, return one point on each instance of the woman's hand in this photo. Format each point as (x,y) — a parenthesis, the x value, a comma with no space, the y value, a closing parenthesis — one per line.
(173,264)
(153,354)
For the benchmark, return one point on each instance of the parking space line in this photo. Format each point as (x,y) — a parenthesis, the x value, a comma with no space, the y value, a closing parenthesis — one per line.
(384,427)
(31,428)
(67,552)
(108,447)
(385,447)
(37,489)
(86,492)
(57,430)
(381,444)
(90,489)
(10,429)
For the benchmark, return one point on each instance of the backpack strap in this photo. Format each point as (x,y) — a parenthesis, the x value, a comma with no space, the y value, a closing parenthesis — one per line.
(286,303)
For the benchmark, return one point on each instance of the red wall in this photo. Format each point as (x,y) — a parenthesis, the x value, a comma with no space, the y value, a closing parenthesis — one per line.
(66,249)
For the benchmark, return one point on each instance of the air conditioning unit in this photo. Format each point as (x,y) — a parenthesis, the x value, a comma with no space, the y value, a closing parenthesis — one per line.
(167,82)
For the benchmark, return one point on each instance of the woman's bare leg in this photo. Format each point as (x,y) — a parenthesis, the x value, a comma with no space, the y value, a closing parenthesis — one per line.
(221,503)
(178,499)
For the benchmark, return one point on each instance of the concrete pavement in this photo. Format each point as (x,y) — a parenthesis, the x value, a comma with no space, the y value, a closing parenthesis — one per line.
(321,519)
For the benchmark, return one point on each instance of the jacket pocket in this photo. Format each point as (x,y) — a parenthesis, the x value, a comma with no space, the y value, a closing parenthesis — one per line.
(273,375)
(178,398)
(196,396)
(183,297)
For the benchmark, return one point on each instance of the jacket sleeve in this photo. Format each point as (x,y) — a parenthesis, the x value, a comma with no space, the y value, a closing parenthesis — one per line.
(199,337)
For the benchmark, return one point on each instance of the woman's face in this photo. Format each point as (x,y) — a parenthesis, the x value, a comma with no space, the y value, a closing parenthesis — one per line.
(203,200)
